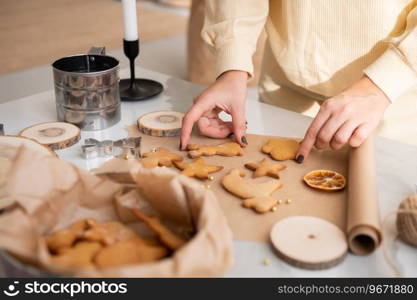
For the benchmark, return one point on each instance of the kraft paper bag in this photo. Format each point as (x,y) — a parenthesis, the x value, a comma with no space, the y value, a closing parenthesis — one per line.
(50,194)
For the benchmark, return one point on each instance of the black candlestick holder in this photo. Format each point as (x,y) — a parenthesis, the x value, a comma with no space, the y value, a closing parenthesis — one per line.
(136,89)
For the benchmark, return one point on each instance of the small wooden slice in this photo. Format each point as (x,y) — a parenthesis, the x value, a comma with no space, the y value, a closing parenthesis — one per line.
(161,123)
(55,135)
(309,242)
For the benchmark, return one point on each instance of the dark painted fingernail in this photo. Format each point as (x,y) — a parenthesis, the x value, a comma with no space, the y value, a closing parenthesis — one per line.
(244,140)
(299,159)
(246,122)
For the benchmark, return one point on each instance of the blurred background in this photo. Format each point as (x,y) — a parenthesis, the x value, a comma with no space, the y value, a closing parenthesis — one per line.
(34,33)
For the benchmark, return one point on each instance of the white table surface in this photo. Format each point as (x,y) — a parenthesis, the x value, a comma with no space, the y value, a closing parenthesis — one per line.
(396,170)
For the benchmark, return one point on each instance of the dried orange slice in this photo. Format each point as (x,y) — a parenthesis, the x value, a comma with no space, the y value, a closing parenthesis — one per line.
(325,180)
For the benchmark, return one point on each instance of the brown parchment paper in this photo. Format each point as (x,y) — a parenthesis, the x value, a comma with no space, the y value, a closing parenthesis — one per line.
(51,194)
(363,220)
(330,206)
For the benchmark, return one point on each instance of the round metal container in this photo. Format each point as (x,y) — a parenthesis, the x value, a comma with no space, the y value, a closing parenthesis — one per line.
(87,90)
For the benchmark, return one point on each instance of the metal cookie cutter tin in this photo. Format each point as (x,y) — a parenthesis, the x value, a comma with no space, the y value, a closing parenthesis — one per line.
(87,89)
(125,148)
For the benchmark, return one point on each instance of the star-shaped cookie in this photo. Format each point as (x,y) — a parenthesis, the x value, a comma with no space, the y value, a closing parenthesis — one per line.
(161,157)
(265,168)
(197,168)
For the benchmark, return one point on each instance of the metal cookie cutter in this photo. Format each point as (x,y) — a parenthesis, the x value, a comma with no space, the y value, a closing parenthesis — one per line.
(130,147)
(125,148)
(1,129)
(93,148)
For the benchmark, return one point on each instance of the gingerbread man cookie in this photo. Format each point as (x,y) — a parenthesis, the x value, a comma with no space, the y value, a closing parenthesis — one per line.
(281,148)
(197,168)
(161,157)
(226,149)
(265,168)
(66,237)
(133,251)
(256,195)
(108,233)
(81,255)
(168,238)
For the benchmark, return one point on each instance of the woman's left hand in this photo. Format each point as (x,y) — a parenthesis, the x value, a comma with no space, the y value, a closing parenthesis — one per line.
(348,118)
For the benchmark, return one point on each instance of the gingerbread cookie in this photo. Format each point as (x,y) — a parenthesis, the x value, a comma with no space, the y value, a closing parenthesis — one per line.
(108,233)
(255,195)
(133,251)
(66,237)
(265,168)
(161,157)
(168,238)
(226,149)
(81,255)
(281,148)
(197,168)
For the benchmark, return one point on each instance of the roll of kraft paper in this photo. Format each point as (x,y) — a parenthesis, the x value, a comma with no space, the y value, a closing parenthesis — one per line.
(363,222)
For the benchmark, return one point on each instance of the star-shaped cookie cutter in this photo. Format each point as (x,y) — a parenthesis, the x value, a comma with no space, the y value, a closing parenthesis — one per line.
(125,148)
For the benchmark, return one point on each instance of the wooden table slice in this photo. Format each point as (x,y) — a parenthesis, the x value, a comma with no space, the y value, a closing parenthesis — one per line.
(55,135)
(309,242)
(161,123)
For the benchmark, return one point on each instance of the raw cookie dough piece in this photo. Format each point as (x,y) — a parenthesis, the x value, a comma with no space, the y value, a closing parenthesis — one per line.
(161,157)
(281,148)
(81,255)
(325,180)
(55,135)
(309,242)
(66,237)
(265,168)
(168,238)
(226,149)
(108,233)
(161,123)
(197,168)
(133,251)
(256,195)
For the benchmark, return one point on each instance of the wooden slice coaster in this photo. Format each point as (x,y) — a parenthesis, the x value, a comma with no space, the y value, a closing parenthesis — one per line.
(55,135)
(161,123)
(309,242)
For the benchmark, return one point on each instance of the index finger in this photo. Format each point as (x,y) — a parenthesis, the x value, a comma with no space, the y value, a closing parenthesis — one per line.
(311,135)
(188,121)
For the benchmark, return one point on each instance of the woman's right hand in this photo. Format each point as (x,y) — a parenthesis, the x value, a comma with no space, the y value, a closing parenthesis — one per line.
(228,94)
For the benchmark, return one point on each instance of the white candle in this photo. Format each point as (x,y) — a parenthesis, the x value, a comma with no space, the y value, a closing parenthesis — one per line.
(130,21)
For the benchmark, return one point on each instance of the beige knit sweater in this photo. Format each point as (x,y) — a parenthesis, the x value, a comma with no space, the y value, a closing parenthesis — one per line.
(318,47)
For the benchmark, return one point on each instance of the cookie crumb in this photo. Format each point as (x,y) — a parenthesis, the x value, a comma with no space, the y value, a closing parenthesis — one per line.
(211,178)
(274,208)
(279,202)
(288,201)
(266,261)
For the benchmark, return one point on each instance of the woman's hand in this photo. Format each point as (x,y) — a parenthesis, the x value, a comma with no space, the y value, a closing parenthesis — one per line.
(227,94)
(348,118)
